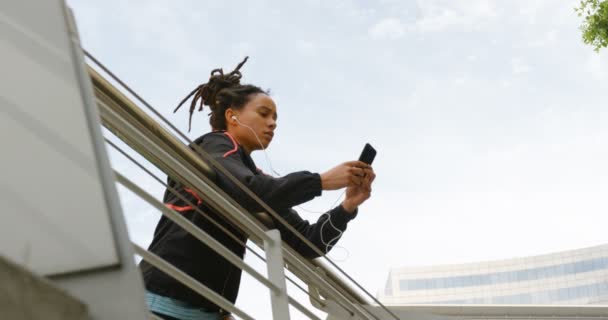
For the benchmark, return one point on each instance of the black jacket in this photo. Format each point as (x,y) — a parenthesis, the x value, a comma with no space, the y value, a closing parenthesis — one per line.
(187,253)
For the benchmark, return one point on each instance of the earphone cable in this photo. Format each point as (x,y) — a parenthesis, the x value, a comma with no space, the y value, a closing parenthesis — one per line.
(340,232)
(261,145)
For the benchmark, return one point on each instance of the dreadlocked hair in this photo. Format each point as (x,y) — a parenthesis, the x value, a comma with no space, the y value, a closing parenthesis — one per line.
(221,92)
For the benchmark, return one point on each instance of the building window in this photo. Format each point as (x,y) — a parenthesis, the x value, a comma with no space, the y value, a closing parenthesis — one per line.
(504,277)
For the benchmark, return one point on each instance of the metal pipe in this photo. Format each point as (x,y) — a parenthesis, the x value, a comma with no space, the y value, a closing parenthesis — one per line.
(196,232)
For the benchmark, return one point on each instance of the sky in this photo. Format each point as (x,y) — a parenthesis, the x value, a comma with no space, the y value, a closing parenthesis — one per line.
(489,117)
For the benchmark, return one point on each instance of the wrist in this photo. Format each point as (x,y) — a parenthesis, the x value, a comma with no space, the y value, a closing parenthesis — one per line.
(349,206)
(323,181)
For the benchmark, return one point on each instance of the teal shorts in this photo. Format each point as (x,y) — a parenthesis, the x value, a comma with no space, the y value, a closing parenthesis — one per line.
(177,309)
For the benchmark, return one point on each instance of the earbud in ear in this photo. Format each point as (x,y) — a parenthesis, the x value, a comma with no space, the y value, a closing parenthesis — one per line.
(234,118)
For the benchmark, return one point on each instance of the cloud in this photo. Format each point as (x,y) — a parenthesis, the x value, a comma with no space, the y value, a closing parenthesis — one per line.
(307,48)
(442,15)
(548,38)
(518,66)
(388,28)
(596,66)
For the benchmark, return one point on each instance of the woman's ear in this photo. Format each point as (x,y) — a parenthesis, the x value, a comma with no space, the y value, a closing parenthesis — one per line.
(230,117)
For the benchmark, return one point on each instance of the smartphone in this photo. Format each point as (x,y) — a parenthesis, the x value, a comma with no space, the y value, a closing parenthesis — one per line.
(368,154)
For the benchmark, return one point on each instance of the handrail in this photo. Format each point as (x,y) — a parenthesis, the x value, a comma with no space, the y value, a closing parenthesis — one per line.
(206,239)
(105,92)
(195,231)
(271,212)
(115,104)
(141,142)
(215,223)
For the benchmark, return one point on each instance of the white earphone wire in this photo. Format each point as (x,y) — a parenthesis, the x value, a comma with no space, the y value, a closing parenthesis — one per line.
(340,232)
(260,142)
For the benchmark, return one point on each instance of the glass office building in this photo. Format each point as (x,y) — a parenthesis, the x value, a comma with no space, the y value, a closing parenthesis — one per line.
(576,277)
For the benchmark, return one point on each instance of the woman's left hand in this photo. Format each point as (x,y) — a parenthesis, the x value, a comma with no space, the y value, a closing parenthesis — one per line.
(356,195)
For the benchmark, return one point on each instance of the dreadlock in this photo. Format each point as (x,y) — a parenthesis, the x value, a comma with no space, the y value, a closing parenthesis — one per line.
(221,92)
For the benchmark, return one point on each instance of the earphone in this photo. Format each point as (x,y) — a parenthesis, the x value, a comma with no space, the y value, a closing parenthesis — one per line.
(259,141)
(340,232)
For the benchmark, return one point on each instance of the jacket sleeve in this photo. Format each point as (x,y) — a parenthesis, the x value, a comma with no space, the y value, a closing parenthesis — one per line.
(324,234)
(279,193)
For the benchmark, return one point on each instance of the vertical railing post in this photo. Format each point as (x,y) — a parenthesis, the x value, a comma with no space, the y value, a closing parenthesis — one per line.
(276,275)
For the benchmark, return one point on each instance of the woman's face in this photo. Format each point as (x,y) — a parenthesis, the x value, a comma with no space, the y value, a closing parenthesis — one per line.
(259,115)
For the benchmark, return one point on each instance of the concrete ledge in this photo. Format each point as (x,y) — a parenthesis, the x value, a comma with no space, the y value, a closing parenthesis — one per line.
(24,295)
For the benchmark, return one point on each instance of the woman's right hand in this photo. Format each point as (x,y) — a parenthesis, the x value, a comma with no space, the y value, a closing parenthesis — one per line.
(344,175)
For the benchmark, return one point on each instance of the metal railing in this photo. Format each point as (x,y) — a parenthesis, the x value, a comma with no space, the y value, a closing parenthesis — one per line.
(195,169)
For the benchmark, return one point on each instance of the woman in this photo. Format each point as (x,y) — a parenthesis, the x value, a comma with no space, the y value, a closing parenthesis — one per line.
(243,119)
